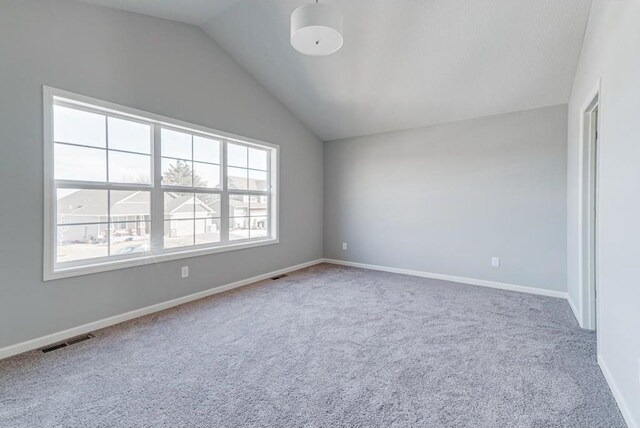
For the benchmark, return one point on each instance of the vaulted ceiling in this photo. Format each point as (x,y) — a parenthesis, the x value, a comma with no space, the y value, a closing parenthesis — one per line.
(404,63)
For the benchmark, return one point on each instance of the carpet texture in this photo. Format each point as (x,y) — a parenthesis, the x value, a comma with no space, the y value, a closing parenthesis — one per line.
(326,346)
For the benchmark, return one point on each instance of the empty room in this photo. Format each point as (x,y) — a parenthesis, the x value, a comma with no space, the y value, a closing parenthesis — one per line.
(320,213)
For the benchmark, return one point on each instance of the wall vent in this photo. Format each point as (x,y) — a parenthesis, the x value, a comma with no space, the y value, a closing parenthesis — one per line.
(279,276)
(69,342)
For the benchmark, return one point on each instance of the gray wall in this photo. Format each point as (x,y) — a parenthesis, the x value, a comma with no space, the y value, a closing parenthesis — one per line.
(445,199)
(159,66)
(611,52)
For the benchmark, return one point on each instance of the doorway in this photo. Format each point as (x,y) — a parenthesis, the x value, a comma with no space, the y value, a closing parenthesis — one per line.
(589,283)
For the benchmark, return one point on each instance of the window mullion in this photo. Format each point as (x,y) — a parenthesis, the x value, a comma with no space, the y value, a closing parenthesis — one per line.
(224,200)
(106,142)
(106,153)
(193,190)
(269,199)
(249,192)
(157,202)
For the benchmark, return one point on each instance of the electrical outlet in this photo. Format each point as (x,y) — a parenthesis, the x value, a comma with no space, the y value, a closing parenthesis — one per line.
(185,271)
(495,262)
(344,246)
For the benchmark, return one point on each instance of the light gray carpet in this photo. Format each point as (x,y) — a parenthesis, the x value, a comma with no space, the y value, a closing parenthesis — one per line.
(327,346)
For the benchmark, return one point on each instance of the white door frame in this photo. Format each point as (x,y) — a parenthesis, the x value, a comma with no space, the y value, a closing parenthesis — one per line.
(588,247)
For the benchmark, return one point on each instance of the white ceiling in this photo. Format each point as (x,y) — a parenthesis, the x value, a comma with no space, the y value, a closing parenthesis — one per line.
(404,63)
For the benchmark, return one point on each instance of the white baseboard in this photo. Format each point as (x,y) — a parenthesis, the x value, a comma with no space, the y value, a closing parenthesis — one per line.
(463,280)
(622,404)
(60,336)
(576,312)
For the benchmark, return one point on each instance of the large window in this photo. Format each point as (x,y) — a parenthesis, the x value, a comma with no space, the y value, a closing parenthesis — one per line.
(125,187)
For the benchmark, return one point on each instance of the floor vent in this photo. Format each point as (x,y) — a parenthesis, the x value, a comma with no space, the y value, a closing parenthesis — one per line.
(279,276)
(54,347)
(69,342)
(80,339)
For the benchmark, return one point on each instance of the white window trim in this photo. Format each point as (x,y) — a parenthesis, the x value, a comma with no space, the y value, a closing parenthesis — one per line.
(50,272)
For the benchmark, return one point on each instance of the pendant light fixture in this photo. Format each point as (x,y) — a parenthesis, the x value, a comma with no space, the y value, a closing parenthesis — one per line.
(316,29)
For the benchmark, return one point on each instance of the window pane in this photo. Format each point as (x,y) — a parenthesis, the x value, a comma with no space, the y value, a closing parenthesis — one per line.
(176,144)
(78,127)
(81,206)
(81,242)
(257,180)
(129,168)
(206,150)
(80,163)
(238,228)
(258,159)
(207,231)
(178,233)
(130,238)
(129,135)
(258,206)
(236,155)
(130,205)
(237,178)
(178,206)
(207,205)
(206,175)
(238,205)
(176,172)
(258,227)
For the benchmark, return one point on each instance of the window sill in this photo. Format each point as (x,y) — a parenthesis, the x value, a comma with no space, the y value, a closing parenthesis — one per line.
(69,272)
